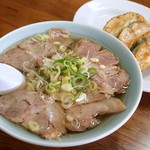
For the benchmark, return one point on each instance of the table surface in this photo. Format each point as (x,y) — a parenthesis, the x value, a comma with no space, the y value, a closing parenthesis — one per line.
(134,135)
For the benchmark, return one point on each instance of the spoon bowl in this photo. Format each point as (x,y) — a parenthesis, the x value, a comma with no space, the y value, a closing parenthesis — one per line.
(10,79)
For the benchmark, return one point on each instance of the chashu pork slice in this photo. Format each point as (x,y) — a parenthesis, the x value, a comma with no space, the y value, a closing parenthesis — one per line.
(91,96)
(16,57)
(109,76)
(87,48)
(34,111)
(61,38)
(30,51)
(114,81)
(80,118)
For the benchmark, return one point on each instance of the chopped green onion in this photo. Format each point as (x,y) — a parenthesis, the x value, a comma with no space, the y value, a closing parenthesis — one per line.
(69,118)
(69,76)
(54,78)
(92,72)
(50,89)
(33,126)
(48,62)
(67,105)
(102,74)
(65,69)
(79,82)
(73,61)
(59,61)
(66,97)
(82,61)
(40,37)
(83,69)
(65,54)
(102,66)
(74,68)
(56,43)
(74,91)
(77,95)
(66,62)
(66,79)
(56,56)
(66,87)
(92,85)
(94,60)
(56,84)
(61,48)
(54,71)
(81,97)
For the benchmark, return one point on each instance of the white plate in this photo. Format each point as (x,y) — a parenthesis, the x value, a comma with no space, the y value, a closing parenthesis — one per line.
(96,13)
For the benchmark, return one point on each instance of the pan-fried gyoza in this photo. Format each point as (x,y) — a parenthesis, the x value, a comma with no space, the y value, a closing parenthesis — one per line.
(133,30)
(68,84)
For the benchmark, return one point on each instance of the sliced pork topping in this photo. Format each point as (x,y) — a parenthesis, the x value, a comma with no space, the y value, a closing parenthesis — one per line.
(32,50)
(91,96)
(110,77)
(35,112)
(80,118)
(107,58)
(58,33)
(28,52)
(114,80)
(87,48)
(96,95)
(16,57)
(38,49)
(60,38)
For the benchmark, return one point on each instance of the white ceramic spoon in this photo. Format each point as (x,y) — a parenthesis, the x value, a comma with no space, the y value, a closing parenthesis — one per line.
(10,79)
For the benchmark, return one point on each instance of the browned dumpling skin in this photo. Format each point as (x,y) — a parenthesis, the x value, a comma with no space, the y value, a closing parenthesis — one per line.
(131,34)
(116,24)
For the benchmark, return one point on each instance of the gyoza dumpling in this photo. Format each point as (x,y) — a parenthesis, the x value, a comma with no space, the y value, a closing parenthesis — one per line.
(129,35)
(115,25)
(142,54)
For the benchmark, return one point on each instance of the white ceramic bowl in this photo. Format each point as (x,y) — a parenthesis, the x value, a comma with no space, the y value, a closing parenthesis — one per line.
(131,98)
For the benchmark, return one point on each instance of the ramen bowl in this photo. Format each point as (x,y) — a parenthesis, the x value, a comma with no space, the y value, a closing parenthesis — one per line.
(109,124)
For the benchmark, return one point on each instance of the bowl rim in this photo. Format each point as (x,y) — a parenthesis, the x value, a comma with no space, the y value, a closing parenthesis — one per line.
(91,139)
